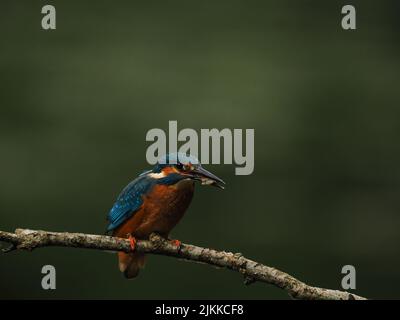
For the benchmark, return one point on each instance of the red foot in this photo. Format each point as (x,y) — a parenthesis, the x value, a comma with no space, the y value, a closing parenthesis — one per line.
(132,241)
(176,243)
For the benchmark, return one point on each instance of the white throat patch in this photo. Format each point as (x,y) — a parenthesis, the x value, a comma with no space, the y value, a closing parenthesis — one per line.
(158,175)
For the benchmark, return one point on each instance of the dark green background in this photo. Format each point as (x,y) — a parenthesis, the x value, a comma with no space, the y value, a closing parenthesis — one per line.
(76,103)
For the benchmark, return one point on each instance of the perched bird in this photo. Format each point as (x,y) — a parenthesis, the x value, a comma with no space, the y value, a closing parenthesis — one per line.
(155,202)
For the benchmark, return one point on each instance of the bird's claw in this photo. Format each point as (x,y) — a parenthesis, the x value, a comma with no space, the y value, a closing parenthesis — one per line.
(132,241)
(176,243)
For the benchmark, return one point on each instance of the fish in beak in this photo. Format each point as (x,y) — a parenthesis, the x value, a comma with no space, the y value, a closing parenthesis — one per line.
(207,178)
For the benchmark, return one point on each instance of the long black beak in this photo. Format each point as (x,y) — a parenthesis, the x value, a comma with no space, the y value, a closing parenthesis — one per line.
(207,178)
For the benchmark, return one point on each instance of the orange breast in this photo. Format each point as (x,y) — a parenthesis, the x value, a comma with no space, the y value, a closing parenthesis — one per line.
(162,209)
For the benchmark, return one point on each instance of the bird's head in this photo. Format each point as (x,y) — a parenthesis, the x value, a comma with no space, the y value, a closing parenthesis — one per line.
(179,166)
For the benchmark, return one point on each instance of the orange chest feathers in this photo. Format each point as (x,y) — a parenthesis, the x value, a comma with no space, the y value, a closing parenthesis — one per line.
(162,209)
(169,201)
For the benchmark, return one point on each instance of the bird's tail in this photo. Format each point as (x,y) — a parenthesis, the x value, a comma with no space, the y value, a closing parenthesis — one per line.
(131,263)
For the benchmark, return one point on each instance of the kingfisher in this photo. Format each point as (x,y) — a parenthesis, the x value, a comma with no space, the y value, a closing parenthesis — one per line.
(155,202)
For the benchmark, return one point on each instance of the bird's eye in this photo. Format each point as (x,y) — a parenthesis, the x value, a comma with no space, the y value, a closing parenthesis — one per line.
(180,166)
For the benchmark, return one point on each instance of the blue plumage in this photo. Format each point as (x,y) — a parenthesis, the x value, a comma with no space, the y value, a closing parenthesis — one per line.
(174,158)
(129,201)
(131,197)
(170,179)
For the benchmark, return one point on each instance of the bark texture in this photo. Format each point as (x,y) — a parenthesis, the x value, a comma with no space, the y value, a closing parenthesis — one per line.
(25,239)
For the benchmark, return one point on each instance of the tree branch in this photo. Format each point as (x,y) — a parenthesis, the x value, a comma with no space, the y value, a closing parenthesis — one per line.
(26,239)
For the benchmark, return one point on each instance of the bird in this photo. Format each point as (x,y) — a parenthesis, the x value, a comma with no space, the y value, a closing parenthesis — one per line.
(155,202)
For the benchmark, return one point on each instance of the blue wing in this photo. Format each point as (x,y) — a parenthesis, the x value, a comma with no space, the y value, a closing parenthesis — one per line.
(129,201)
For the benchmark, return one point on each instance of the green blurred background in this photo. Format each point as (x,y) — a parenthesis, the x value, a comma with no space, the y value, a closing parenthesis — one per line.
(76,103)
